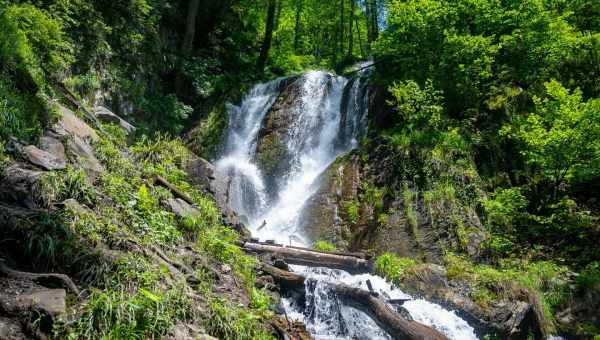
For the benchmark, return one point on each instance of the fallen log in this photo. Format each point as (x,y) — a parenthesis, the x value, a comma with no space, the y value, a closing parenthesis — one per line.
(174,190)
(311,258)
(397,326)
(389,320)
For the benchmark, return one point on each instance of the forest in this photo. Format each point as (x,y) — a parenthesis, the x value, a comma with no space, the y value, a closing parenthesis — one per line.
(473,181)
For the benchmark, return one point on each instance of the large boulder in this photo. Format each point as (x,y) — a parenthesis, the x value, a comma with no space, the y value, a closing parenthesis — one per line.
(50,302)
(84,157)
(217,184)
(70,124)
(53,145)
(512,318)
(44,159)
(20,185)
(181,208)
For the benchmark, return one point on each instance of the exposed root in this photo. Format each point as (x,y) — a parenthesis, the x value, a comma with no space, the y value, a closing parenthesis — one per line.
(41,278)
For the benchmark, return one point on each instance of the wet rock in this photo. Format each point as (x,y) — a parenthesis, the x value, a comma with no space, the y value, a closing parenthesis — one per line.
(204,174)
(323,211)
(181,208)
(271,151)
(10,330)
(105,115)
(84,157)
(70,124)
(43,159)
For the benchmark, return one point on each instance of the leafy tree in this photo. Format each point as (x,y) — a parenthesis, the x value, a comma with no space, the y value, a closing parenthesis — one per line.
(561,136)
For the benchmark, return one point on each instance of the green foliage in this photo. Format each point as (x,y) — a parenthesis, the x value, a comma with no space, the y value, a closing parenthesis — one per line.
(562,135)
(59,186)
(419,108)
(353,211)
(208,134)
(393,267)
(230,322)
(145,313)
(323,245)
(503,207)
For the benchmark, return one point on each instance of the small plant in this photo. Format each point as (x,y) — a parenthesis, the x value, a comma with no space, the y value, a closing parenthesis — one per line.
(353,211)
(323,245)
(393,267)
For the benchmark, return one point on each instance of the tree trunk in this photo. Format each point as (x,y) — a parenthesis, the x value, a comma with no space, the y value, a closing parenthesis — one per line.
(351,21)
(266,45)
(311,258)
(188,41)
(342,30)
(298,26)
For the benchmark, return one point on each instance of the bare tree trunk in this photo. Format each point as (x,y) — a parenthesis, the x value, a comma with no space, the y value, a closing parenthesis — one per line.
(188,40)
(350,37)
(298,27)
(360,41)
(266,45)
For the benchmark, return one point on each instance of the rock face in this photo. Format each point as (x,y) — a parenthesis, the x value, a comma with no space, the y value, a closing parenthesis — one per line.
(358,215)
(44,159)
(271,150)
(322,213)
(54,146)
(105,115)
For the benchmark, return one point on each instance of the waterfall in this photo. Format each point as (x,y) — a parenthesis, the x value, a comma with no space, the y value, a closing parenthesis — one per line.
(325,120)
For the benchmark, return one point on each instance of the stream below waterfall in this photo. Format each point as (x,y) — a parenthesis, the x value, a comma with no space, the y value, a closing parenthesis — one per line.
(327,118)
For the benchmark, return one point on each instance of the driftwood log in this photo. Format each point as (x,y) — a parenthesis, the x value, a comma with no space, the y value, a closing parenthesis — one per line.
(388,319)
(311,258)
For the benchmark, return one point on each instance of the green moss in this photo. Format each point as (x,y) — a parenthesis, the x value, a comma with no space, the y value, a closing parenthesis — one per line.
(323,245)
(270,155)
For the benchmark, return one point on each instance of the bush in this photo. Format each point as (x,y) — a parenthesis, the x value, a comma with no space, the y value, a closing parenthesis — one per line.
(393,267)
(323,245)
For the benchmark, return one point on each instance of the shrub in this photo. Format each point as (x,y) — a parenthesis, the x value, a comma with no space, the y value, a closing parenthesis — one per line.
(393,267)
(323,245)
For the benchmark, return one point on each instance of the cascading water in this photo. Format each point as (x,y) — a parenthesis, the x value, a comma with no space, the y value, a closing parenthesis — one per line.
(326,120)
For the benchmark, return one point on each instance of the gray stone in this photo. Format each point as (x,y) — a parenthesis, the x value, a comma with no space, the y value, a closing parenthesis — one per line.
(43,158)
(51,302)
(181,208)
(74,206)
(10,330)
(85,157)
(70,124)
(105,115)
(19,185)
(54,146)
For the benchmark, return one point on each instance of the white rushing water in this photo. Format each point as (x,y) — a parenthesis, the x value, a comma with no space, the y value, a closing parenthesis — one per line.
(327,120)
